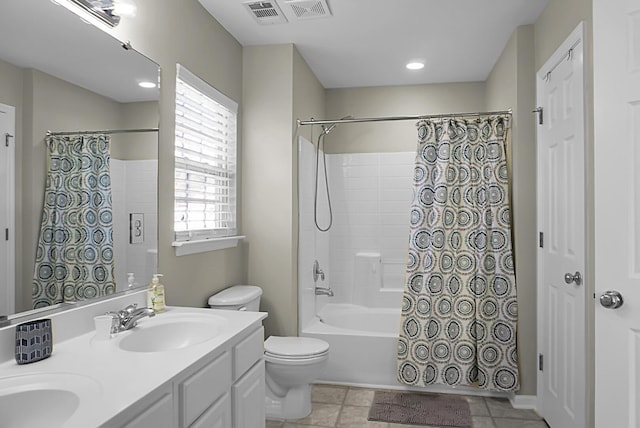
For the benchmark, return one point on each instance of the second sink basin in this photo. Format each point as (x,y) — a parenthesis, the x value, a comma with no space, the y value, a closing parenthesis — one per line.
(171,331)
(44,400)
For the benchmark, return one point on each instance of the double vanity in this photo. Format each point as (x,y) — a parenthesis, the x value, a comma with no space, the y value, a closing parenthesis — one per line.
(185,367)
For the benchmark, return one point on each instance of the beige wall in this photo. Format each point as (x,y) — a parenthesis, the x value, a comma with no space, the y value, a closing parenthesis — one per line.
(393,101)
(267,183)
(511,84)
(308,101)
(556,22)
(182,31)
(136,146)
(278,88)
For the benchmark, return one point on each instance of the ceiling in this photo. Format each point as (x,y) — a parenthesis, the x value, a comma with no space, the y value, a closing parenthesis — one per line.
(368,42)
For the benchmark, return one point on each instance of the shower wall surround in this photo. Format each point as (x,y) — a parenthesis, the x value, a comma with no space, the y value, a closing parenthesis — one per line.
(364,253)
(371,195)
(134,188)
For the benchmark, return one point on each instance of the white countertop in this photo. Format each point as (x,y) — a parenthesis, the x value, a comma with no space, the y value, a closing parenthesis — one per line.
(123,377)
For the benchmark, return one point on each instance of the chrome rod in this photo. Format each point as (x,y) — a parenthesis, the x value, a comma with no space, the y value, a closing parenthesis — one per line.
(104,131)
(393,118)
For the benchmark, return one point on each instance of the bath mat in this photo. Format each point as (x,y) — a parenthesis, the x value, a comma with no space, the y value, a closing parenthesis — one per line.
(420,409)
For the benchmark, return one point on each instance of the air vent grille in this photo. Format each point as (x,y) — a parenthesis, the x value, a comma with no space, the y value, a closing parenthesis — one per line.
(309,9)
(265,12)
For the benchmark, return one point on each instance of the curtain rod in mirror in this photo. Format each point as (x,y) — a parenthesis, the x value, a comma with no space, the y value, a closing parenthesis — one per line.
(104,131)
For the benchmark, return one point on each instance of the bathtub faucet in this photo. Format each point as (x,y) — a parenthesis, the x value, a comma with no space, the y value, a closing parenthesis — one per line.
(324,291)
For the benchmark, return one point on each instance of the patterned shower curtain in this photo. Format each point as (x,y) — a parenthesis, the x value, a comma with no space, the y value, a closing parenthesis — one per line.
(459,308)
(74,258)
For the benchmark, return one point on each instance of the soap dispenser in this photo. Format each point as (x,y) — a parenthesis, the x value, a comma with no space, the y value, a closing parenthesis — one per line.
(155,294)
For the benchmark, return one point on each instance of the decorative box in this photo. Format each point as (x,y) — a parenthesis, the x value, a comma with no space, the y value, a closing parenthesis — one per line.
(34,341)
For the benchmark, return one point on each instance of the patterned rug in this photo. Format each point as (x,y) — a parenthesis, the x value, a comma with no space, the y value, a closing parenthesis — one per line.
(420,409)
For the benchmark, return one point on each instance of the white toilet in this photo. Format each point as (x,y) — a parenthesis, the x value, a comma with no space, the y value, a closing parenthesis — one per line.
(292,363)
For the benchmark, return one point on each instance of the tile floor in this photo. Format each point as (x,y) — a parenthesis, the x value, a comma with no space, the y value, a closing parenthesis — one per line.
(348,407)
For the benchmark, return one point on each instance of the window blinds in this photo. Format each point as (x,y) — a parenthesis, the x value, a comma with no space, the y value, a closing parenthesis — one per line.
(205,160)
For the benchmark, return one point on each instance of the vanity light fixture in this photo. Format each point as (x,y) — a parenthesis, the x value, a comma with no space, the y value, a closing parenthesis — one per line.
(415,65)
(125,8)
(106,11)
(147,85)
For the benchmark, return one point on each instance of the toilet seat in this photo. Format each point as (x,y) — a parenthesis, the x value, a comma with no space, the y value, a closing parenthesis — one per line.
(294,349)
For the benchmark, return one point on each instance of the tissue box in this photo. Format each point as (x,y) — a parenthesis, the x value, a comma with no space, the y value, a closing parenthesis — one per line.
(34,341)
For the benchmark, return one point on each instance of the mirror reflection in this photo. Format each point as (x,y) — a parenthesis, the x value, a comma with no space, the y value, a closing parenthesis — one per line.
(58,73)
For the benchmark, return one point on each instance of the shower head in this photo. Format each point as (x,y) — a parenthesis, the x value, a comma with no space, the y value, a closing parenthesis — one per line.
(327,129)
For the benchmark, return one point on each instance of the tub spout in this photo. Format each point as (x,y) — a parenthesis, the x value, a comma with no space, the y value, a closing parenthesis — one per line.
(322,291)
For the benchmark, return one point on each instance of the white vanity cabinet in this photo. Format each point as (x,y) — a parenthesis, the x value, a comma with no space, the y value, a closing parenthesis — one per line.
(155,410)
(227,391)
(248,390)
(224,389)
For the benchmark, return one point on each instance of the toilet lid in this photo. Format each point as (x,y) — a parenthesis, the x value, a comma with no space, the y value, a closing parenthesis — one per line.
(236,295)
(295,347)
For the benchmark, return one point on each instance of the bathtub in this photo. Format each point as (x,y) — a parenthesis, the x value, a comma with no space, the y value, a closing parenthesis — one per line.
(362,348)
(362,343)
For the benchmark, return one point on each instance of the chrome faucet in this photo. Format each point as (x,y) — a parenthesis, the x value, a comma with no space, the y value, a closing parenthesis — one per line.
(323,291)
(128,317)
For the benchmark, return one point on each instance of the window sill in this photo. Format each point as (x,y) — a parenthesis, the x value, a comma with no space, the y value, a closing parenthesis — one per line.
(184,248)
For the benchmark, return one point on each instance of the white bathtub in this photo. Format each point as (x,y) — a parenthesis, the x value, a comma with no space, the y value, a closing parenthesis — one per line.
(362,348)
(362,343)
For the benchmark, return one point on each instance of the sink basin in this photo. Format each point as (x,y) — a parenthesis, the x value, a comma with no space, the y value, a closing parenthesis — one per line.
(168,332)
(40,400)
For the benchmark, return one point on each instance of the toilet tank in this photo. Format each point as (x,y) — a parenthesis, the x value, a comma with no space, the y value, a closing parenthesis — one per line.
(237,298)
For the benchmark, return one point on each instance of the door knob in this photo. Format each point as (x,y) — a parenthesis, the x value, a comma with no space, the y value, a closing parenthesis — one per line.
(611,299)
(576,277)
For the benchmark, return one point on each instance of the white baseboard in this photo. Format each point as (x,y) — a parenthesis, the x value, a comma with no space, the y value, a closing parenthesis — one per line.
(529,402)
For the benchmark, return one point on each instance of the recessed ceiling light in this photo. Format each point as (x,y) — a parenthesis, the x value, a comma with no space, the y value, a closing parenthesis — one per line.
(147,85)
(415,65)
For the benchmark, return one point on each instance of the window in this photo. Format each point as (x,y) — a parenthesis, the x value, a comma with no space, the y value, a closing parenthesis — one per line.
(205,161)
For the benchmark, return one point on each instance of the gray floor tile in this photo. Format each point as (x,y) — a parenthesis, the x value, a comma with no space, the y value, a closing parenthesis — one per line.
(477,406)
(482,422)
(336,406)
(322,414)
(290,425)
(359,397)
(356,417)
(519,423)
(501,408)
(328,394)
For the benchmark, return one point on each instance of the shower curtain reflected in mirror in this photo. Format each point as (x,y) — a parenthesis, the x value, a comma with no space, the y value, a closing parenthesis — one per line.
(74,257)
(459,307)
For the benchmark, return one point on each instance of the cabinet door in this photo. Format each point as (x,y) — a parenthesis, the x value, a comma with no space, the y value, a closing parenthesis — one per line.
(248,395)
(216,416)
(203,387)
(157,415)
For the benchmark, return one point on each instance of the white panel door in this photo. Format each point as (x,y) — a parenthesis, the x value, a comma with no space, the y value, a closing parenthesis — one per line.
(616,25)
(561,221)
(7,209)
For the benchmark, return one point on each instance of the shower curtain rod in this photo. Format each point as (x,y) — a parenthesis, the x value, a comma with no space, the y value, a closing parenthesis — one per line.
(104,131)
(393,118)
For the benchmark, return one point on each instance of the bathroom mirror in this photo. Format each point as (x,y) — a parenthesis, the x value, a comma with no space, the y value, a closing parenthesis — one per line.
(59,73)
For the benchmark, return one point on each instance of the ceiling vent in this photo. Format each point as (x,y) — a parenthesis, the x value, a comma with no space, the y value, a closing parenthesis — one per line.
(309,9)
(265,12)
